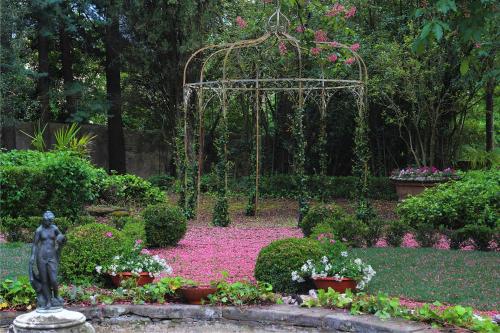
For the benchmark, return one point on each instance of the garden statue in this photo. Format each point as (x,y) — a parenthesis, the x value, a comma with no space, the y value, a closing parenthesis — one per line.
(44,263)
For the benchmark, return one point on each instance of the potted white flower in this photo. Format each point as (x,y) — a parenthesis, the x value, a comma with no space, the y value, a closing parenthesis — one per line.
(134,263)
(336,270)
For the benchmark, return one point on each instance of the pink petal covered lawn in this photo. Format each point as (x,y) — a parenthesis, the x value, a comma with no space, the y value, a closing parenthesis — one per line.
(205,252)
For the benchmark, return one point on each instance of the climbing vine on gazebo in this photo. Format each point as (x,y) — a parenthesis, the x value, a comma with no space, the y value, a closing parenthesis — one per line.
(273,64)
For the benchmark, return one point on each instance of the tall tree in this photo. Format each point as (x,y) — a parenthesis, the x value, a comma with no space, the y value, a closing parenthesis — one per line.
(65,46)
(113,43)
(41,10)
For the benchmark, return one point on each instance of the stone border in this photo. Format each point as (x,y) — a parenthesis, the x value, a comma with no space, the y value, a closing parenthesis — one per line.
(284,315)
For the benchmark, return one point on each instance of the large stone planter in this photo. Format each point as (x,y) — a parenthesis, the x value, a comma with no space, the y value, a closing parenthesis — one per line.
(406,188)
(61,321)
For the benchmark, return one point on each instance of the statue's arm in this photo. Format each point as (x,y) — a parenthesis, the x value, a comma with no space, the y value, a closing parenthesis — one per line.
(34,247)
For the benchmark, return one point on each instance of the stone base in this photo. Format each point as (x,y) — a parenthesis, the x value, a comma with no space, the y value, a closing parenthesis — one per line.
(62,321)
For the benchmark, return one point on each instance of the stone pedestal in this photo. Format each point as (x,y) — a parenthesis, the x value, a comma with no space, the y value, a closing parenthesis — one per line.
(61,321)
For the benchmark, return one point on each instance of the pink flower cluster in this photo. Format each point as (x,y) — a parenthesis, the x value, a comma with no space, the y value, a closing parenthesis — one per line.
(350,61)
(320,36)
(241,22)
(423,172)
(355,47)
(315,51)
(338,9)
(207,251)
(300,29)
(282,48)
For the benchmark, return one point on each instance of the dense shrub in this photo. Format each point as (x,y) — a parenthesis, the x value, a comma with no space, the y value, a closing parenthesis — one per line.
(319,214)
(165,225)
(130,190)
(396,230)
(163,182)
(88,246)
(350,230)
(278,260)
(22,229)
(134,229)
(374,231)
(454,207)
(33,182)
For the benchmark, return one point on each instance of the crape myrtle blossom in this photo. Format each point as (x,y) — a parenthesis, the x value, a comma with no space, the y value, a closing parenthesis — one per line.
(336,9)
(241,22)
(354,47)
(315,51)
(300,29)
(320,36)
(350,13)
(350,61)
(282,48)
(332,57)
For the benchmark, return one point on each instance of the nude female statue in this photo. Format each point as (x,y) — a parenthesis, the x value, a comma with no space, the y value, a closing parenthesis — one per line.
(45,252)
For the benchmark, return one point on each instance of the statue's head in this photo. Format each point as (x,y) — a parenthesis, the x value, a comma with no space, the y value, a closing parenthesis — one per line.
(48,218)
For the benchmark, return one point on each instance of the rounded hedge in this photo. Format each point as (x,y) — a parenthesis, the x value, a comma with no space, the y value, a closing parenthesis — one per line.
(278,260)
(319,214)
(88,246)
(165,225)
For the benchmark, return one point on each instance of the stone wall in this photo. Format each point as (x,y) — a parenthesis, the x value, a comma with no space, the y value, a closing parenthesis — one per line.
(146,154)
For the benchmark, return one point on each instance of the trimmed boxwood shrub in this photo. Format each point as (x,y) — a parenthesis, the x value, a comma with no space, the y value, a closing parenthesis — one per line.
(22,229)
(463,209)
(318,214)
(33,182)
(88,246)
(165,225)
(128,190)
(278,260)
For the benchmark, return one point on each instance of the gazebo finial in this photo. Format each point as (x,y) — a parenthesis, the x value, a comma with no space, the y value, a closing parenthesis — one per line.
(278,22)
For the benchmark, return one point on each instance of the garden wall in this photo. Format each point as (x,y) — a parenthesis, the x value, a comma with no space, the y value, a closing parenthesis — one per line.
(146,155)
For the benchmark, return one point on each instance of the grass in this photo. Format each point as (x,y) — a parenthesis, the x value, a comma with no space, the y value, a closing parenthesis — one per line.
(14,258)
(454,277)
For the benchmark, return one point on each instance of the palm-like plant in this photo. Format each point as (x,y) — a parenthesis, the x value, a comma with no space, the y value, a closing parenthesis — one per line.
(37,140)
(67,139)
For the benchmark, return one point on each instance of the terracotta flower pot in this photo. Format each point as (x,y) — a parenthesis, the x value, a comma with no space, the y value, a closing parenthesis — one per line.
(195,294)
(339,286)
(142,279)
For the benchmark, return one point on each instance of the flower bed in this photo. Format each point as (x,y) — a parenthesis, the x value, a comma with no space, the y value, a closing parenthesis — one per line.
(205,252)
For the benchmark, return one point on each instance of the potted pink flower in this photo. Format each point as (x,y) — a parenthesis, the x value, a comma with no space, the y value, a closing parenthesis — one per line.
(413,181)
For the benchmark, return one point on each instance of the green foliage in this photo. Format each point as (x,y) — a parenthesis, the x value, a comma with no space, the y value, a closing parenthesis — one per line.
(67,139)
(318,214)
(163,182)
(165,225)
(481,159)
(128,190)
(242,293)
(278,260)
(221,210)
(454,207)
(33,182)
(16,293)
(323,188)
(133,229)
(386,307)
(89,246)
(37,139)
(22,229)
(396,229)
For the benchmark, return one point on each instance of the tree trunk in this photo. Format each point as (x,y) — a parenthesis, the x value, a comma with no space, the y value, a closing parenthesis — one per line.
(490,133)
(116,142)
(43,69)
(67,73)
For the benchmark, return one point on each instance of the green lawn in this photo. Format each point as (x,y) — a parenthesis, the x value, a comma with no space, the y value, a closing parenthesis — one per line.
(456,277)
(14,259)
